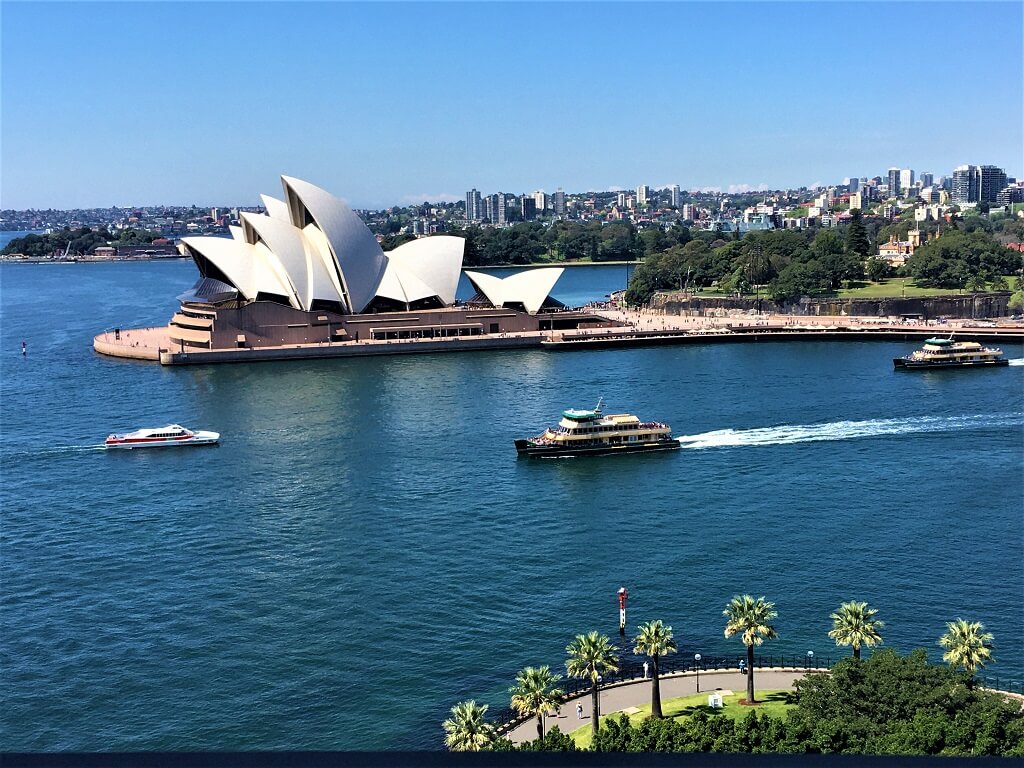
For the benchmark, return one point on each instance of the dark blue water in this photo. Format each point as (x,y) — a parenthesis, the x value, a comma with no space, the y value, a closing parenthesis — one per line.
(363,549)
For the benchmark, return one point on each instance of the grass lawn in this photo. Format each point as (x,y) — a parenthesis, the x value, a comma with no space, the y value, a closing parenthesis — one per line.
(890,288)
(774,703)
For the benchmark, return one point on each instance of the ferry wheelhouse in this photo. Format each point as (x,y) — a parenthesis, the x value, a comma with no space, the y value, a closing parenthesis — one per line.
(946,353)
(161,437)
(590,432)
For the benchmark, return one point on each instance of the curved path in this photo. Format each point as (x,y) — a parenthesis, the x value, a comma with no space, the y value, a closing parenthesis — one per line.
(635,693)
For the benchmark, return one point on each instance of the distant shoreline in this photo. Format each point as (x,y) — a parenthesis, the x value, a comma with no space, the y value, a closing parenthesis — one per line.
(87,260)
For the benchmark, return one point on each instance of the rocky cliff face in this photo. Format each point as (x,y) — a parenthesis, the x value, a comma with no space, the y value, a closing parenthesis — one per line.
(977,305)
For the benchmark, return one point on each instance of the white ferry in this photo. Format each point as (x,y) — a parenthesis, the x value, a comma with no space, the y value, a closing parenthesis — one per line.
(946,353)
(588,433)
(161,437)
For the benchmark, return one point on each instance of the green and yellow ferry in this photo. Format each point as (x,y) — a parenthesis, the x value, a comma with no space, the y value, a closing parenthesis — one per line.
(946,353)
(591,433)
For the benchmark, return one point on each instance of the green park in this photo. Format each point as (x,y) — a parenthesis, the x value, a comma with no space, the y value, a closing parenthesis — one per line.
(874,701)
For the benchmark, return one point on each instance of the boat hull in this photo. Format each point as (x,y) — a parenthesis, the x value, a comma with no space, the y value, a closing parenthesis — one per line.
(199,438)
(528,449)
(902,364)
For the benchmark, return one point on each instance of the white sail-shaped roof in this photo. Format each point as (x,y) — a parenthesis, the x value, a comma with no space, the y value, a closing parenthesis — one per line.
(305,269)
(248,270)
(404,286)
(434,261)
(276,209)
(361,262)
(529,287)
(311,247)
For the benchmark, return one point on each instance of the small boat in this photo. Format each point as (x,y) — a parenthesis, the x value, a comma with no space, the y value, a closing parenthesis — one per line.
(946,353)
(161,437)
(591,433)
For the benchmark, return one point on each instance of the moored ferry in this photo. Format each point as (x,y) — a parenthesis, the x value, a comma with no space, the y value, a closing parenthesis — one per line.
(590,432)
(161,437)
(946,353)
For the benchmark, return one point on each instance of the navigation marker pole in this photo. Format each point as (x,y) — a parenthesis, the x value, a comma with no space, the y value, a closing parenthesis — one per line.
(623,594)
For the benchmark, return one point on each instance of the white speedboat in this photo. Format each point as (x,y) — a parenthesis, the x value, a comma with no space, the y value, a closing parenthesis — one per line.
(162,437)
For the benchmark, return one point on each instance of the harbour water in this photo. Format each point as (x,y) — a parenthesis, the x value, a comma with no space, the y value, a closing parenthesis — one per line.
(363,549)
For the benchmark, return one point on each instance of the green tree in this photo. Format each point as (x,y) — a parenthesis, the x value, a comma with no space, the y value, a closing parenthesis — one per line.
(655,640)
(466,729)
(591,655)
(976,283)
(553,741)
(999,284)
(857,243)
(534,694)
(967,645)
(877,269)
(854,624)
(750,619)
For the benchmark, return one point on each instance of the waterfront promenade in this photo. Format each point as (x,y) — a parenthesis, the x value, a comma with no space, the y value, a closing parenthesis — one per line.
(635,327)
(618,697)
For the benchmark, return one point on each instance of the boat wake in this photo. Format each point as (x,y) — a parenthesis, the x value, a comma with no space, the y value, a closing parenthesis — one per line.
(845,430)
(1016,361)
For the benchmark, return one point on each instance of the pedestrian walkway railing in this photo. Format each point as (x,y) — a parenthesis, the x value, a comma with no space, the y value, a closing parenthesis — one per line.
(633,669)
(1003,684)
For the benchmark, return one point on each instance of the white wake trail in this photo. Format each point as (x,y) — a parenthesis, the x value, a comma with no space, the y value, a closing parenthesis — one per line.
(844,430)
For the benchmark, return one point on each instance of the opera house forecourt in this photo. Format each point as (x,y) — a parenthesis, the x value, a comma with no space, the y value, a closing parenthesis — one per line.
(308,279)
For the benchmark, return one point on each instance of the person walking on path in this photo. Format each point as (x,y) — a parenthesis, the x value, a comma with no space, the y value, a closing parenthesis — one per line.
(645,669)
(579,711)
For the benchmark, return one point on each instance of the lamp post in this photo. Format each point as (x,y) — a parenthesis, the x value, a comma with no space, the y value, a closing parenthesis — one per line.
(696,667)
(810,659)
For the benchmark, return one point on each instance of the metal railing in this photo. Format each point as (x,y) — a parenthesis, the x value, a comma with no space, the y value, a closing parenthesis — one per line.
(632,668)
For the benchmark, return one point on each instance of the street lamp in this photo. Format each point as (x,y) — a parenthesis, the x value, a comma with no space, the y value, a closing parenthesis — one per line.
(810,659)
(696,666)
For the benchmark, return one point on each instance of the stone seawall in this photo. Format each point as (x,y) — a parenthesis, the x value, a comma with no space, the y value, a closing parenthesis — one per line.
(980,305)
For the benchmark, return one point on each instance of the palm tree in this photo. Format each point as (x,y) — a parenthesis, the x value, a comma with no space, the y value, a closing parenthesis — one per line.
(855,624)
(967,645)
(654,639)
(589,656)
(466,729)
(533,694)
(750,617)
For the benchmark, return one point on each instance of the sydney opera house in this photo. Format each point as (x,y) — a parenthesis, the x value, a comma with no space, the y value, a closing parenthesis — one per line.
(309,273)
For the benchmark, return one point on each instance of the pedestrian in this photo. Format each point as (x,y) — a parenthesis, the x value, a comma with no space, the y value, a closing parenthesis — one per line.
(579,711)
(645,669)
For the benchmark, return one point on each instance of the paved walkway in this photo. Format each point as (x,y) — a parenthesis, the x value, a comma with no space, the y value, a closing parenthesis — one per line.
(636,693)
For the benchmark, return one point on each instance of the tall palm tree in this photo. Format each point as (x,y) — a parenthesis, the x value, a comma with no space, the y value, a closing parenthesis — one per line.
(534,694)
(654,639)
(466,729)
(967,645)
(855,624)
(750,617)
(589,656)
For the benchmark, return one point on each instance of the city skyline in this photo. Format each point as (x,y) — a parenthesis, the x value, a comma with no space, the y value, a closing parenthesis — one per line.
(182,103)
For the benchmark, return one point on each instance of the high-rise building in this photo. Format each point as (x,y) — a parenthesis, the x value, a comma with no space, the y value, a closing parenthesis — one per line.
(894,182)
(528,207)
(541,201)
(642,193)
(853,183)
(558,202)
(674,196)
(966,179)
(906,179)
(473,206)
(620,200)
(991,181)
(688,212)
(927,179)
(500,209)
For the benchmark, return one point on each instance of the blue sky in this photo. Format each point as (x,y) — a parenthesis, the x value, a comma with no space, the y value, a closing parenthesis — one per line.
(137,103)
